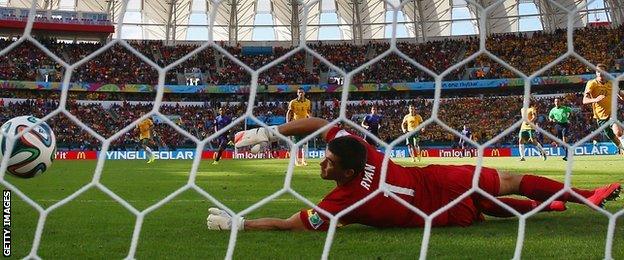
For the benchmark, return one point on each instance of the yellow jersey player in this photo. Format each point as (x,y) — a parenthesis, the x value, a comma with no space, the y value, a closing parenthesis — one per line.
(527,133)
(146,128)
(299,108)
(598,93)
(410,122)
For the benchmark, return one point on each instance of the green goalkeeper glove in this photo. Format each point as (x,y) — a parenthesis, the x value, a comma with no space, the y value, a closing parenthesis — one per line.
(221,220)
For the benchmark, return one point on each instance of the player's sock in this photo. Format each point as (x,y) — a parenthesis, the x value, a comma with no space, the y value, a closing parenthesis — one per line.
(541,189)
(523,206)
(219,155)
(149,154)
(521,150)
(541,149)
(621,138)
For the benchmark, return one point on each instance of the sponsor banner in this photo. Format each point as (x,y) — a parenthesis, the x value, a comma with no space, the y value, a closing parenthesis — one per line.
(211,155)
(402,152)
(59,27)
(587,149)
(318,88)
(279,154)
(76,155)
(398,152)
(458,153)
(142,155)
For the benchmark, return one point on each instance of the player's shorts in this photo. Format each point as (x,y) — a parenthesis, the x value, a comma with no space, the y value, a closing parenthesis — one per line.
(442,184)
(145,140)
(370,140)
(608,131)
(461,143)
(527,134)
(298,138)
(222,140)
(562,129)
(413,140)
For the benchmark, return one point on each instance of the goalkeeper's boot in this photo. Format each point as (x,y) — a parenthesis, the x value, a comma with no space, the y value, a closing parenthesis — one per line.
(557,206)
(254,136)
(544,155)
(606,193)
(151,159)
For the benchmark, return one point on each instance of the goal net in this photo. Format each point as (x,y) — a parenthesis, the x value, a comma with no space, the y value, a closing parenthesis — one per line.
(347,76)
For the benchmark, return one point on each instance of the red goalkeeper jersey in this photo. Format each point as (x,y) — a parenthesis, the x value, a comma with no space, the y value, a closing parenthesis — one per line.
(428,189)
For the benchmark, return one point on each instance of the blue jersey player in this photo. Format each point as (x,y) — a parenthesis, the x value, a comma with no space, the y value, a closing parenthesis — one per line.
(372,122)
(220,122)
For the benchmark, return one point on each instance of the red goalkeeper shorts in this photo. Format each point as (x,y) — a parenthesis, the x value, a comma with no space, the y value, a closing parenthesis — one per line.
(442,184)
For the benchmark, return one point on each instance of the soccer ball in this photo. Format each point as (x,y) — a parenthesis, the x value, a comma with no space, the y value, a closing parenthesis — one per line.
(33,152)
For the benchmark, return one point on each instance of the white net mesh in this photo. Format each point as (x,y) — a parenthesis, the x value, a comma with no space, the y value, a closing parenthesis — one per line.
(383,188)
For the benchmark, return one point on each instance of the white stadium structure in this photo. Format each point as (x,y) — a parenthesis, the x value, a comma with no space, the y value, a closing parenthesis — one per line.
(355,21)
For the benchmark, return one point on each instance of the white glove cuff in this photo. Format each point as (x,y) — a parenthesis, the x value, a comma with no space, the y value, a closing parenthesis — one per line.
(241,224)
(270,134)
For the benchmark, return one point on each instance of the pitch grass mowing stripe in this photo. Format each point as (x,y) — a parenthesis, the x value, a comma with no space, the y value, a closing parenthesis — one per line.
(93,227)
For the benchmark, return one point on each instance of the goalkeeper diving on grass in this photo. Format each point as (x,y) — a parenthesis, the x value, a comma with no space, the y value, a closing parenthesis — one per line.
(355,167)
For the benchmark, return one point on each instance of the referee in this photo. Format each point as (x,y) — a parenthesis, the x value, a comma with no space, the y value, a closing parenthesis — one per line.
(560,115)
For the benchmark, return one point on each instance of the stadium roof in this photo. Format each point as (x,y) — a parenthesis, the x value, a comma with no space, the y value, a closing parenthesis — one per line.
(354,20)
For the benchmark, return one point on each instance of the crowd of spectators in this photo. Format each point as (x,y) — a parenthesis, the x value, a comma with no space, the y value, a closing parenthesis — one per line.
(527,52)
(487,117)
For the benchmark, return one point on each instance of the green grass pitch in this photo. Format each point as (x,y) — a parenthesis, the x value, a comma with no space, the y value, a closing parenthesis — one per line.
(95,226)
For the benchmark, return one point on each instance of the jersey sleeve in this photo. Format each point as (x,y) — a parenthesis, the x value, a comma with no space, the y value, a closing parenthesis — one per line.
(333,203)
(313,220)
(589,88)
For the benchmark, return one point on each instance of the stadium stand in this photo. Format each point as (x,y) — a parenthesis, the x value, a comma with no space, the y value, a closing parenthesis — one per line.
(118,66)
(197,119)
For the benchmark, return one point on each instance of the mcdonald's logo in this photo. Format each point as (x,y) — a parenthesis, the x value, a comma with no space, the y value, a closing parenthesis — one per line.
(424,153)
(82,156)
(495,153)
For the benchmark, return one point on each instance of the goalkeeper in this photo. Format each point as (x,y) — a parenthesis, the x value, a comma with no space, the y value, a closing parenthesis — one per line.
(355,166)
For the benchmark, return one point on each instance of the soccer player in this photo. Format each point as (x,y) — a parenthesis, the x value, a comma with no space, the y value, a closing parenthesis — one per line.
(146,132)
(462,143)
(560,115)
(299,108)
(527,133)
(372,122)
(355,167)
(598,94)
(220,122)
(410,122)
